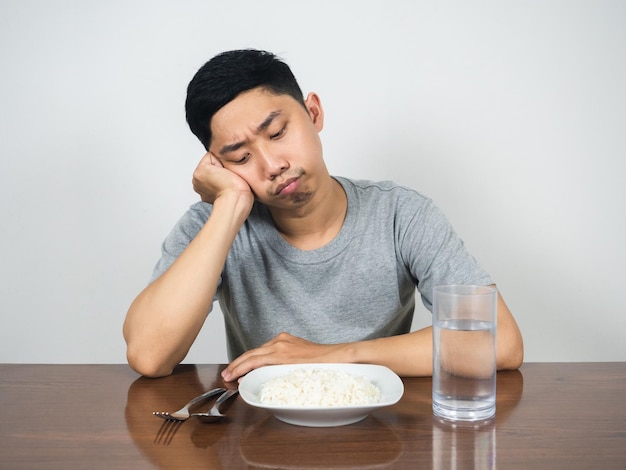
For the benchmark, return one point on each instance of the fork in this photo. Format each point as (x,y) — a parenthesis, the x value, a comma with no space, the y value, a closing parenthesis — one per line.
(183,413)
(214,413)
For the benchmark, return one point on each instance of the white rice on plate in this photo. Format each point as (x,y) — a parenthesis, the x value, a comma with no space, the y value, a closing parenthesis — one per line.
(319,387)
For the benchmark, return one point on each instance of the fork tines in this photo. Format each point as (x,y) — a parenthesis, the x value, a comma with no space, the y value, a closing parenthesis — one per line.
(165,415)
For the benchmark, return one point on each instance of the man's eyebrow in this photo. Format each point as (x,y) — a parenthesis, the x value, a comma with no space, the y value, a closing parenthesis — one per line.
(231,147)
(260,128)
(268,120)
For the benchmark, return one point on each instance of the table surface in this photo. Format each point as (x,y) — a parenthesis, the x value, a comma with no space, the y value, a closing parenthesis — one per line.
(549,415)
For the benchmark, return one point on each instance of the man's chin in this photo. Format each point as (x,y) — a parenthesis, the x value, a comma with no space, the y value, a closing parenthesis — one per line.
(301,198)
(293,201)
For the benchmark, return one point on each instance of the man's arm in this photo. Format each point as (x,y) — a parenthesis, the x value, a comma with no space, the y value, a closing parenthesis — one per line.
(407,355)
(164,320)
(411,354)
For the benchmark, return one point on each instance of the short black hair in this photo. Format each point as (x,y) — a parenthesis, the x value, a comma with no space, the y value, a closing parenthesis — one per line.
(229,74)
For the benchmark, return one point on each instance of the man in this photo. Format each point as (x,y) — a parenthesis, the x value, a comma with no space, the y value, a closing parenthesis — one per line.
(307,267)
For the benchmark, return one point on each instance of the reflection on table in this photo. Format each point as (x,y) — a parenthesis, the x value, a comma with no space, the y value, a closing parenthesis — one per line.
(85,416)
(255,438)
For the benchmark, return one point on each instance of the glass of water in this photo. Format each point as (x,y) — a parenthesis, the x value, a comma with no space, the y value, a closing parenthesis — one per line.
(464,352)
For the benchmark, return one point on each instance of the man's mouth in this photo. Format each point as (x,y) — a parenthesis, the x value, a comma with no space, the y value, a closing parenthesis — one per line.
(287,187)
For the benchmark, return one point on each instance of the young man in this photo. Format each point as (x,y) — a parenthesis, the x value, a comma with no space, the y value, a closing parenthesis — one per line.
(306,267)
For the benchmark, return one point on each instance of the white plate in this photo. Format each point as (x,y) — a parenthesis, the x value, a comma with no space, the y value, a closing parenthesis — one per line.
(388,382)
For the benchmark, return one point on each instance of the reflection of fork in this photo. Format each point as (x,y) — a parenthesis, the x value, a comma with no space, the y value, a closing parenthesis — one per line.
(183,413)
(166,432)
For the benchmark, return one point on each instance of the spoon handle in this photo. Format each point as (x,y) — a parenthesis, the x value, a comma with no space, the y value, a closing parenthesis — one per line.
(222,398)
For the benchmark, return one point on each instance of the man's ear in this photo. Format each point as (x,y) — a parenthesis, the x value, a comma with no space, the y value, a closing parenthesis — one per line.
(315,110)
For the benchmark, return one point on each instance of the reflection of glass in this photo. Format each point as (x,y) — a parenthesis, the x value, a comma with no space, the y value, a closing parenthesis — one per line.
(464,445)
(459,444)
(305,447)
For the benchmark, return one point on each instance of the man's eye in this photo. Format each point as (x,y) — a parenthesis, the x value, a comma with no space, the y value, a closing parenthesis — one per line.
(278,134)
(244,159)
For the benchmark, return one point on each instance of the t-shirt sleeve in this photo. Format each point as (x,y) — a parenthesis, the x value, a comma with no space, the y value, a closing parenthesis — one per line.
(433,252)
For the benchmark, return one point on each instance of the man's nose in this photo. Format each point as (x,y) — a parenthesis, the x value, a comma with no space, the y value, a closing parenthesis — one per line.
(274,165)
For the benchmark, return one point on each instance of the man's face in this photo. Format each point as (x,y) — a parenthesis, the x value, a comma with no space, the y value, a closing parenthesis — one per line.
(273,143)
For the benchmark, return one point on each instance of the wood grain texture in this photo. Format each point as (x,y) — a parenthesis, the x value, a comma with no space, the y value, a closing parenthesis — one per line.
(569,415)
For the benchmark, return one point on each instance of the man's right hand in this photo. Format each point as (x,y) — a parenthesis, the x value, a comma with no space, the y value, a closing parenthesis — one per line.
(211,180)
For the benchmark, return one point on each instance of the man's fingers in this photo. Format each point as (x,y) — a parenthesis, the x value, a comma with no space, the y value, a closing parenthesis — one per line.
(214,160)
(245,363)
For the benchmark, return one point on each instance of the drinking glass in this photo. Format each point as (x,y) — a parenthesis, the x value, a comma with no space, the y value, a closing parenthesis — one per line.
(464,352)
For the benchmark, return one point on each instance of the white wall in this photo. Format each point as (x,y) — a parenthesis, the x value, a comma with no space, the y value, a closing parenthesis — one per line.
(511,115)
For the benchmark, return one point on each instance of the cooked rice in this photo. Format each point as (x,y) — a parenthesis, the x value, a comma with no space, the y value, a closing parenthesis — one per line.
(319,387)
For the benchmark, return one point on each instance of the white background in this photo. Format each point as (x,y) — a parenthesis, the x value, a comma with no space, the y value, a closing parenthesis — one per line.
(510,115)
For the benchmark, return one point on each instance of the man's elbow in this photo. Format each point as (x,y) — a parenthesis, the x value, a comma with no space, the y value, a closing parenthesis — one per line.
(511,355)
(147,366)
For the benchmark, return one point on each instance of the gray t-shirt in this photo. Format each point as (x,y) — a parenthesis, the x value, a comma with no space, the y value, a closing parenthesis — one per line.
(359,286)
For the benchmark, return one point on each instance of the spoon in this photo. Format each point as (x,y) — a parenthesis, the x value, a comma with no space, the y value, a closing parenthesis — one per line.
(214,413)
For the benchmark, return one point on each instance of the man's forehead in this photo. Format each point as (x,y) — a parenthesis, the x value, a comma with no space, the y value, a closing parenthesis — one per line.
(255,103)
(252,111)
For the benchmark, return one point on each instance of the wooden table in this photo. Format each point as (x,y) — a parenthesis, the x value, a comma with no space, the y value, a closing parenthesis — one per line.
(550,416)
